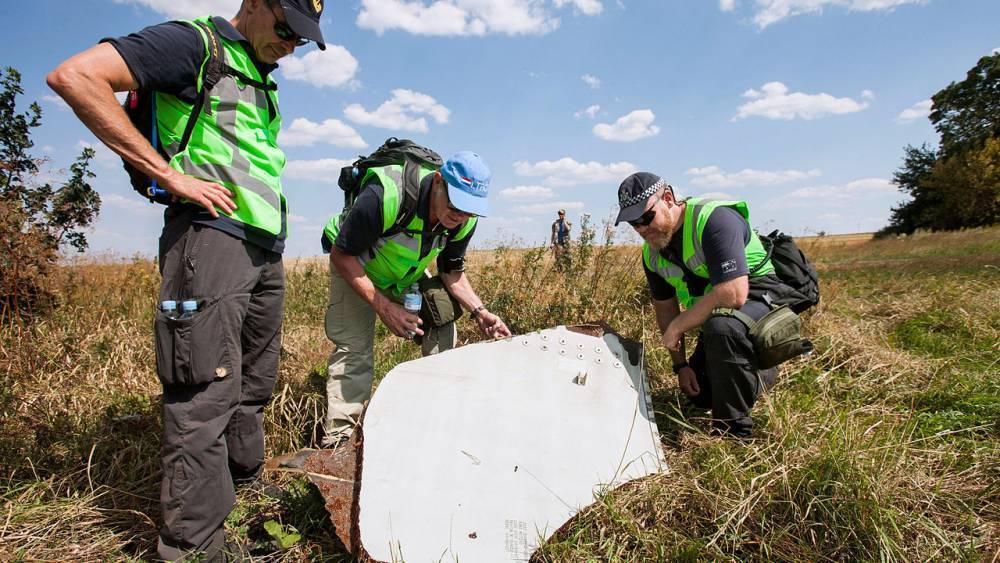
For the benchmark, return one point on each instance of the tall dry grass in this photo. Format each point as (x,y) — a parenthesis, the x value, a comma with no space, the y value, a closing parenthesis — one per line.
(884,445)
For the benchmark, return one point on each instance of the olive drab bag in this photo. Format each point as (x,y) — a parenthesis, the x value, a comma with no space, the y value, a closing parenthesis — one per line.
(777,337)
(393,151)
(140,107)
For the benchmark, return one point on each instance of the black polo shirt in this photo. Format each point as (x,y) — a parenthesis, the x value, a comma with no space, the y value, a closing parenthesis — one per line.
(167,58)
(724,240)
(362,227)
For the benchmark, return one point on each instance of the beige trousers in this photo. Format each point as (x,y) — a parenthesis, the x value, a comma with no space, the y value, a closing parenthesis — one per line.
(350,325)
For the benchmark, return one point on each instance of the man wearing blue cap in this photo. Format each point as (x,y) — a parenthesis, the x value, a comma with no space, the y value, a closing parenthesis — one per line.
(373,263)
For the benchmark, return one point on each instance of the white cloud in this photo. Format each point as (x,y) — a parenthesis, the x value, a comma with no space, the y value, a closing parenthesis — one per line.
(133,205)
(293,218)
(56,101)
(714,177)
(548,207)
(305,133)
(996,51)
(188,9)
(568,172)
(917,111)
(774,101)
(467,17)
(591,80)
(526,192)
(836,195)
(632,127)
(324,170)
(335,67)
(772,11)
(727,5)
(587,7)
(590,111)
(400,112)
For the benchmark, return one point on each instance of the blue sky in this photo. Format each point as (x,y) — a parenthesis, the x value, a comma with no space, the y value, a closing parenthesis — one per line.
(801,107)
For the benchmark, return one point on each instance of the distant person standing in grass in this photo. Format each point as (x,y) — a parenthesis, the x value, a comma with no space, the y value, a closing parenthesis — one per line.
(703,254)
(560,238)
(372,265)
(223,235)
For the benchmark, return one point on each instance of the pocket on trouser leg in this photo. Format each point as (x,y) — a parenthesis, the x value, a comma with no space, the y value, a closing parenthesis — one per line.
(204,346)
(171,497)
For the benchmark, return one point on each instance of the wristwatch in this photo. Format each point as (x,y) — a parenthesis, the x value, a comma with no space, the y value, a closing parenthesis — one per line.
(678,367)
(475,312)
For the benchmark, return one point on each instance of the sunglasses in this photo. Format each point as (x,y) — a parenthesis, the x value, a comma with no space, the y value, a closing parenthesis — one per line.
(454,209)
(284,32)
(644,219)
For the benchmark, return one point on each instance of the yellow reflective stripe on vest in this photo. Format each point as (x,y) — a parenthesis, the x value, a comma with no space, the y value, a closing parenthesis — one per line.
(235,145)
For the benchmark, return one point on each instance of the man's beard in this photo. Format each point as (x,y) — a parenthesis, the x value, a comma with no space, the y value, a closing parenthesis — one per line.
(658,238)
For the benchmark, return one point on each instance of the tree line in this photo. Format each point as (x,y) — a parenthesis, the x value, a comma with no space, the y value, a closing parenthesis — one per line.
(957,184)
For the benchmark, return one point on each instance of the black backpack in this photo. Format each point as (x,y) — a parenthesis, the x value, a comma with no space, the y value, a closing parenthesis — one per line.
(794,270)
(393,151)
(140,106)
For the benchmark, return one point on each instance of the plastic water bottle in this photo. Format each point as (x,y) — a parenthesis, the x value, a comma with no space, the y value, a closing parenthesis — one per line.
(188,308)
(169,308)
(412,301)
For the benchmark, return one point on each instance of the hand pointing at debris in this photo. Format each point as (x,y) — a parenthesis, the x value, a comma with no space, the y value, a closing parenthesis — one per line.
(492,325)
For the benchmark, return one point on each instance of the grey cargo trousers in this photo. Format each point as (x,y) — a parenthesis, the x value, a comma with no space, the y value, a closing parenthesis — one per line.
(218,369)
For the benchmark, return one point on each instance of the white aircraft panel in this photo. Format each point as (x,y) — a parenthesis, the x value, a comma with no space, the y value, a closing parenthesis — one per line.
(480,453)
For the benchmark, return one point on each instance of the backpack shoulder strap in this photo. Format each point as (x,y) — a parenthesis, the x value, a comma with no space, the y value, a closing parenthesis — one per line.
(211,73)
(411,197)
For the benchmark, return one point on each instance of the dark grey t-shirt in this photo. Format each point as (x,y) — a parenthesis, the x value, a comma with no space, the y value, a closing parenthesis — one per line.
(724,239)
(362,227)
(167,58)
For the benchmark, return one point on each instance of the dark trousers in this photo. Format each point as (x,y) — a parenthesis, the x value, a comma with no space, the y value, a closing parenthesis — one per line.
(218,369)
(726,367)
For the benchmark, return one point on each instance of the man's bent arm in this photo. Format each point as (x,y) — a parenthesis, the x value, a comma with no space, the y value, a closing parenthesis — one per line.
(88,82)
(732,293)
(666,311)
(353,273)
(460,288)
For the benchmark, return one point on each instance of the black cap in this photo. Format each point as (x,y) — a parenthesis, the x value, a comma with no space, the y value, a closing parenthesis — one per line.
(303,18)
(634,192)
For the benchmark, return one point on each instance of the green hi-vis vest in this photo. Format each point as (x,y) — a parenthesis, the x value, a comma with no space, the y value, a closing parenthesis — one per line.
(695,218)
(236,144)
(394,262)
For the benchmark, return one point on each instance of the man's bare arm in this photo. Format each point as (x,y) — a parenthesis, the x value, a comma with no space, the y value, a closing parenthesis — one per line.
(88,82)
(396,318)
(666,311)
(458,286)
(732,293)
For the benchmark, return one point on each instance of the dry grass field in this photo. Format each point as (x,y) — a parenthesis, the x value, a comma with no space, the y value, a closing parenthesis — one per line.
(883,445)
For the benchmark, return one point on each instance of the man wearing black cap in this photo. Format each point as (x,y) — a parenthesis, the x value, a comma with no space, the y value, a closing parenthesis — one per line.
(224,231)
(703,254)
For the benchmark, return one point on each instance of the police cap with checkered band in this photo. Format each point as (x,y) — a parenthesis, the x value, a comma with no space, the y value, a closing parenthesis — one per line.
(635,191)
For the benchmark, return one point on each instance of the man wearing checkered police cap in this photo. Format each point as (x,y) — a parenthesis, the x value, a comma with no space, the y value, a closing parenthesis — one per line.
(704,255)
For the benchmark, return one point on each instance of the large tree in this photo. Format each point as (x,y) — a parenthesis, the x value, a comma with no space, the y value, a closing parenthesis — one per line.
(958,185)
(36,219)
(967,113)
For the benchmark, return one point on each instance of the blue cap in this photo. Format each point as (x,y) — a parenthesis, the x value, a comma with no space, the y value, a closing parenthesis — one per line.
(468,179)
